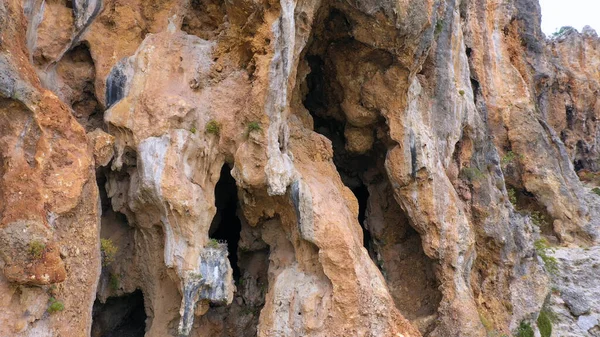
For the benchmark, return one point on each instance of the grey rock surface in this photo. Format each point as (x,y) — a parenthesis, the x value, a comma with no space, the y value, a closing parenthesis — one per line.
(576,299)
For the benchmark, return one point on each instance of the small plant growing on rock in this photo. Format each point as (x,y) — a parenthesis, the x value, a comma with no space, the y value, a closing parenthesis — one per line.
(253,126)
(544,322)
(472,173)
(109,251)
(596,190)
(489,326)
(114,282)
(55,306)
(195,276)
(512,196)
(439,26)
(508,158)
(461,92)
(213,127)
(538,219)
(524,330)
(542,248)
(193,129)
(213,243)
(36,249)
(561,31)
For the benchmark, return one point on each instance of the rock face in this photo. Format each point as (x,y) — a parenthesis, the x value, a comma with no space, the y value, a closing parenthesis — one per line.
(575,292)
(296,168)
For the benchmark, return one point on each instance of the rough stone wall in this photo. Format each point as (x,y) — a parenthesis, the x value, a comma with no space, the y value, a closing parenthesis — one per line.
(400,168)
(49,205)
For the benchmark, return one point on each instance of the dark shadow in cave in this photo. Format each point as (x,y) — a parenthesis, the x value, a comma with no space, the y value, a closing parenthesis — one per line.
(122,316)
(362,195)
(393,244)
(350,166)
(226,225)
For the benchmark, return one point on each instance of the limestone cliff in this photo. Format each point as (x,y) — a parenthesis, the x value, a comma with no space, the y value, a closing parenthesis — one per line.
(296,168)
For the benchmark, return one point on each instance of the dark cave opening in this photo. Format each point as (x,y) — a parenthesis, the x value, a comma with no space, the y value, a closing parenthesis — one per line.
(249,259)
(320,97)
(122,316)
(362,195)
(226,225)
(339,69)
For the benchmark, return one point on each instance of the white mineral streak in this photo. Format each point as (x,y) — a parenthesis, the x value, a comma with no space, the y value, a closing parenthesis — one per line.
(280,169)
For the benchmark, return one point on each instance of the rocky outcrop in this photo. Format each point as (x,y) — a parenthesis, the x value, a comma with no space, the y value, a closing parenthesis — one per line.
(294,168)
(49,216)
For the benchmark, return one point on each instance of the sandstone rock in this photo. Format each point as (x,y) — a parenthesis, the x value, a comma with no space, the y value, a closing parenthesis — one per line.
(358,140)
(103,145)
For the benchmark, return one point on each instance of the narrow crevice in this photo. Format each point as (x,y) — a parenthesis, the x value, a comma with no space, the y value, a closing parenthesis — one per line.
(226,224)
(122,316)
(362,195)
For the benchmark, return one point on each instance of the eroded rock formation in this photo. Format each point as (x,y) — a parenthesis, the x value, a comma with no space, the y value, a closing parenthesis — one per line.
(295,168)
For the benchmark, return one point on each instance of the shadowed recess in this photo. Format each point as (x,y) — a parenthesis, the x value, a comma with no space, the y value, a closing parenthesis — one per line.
(226,224)
(122,316)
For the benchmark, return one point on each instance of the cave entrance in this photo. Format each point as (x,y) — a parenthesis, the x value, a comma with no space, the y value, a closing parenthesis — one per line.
(122,316)
(334,94)
(226,225)
(249,258)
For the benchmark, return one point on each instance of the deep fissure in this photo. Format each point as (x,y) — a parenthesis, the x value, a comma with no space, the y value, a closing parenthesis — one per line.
(226,224)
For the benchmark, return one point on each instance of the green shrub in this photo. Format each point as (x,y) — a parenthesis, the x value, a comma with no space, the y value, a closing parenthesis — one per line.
(253,126)
(114,282)
(542,248)
(213,127)
(461,92)
(508,158)
(109,251)
(195,276)
(471,173)
(537,219)
(439,26)
(55,306)
(560,31)
(596,190)
(36,249)
(524,330)
(193,129)
(512,196)
(213,243)
(544,323)
(489,326)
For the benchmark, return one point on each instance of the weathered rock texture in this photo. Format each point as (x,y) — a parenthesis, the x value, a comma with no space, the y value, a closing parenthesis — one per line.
(575,292)
(294,168)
